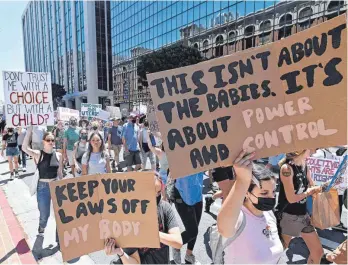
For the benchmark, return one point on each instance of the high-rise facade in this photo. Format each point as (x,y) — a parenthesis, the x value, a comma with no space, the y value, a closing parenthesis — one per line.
(215,28)
(72,41)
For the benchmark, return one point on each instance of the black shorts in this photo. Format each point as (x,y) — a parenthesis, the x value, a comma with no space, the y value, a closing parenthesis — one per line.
(222,173)
(133,158)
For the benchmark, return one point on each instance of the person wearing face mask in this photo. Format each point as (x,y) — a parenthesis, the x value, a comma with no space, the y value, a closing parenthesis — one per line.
(9,143)
(296,184)
(130,144)
(80,148)
(246,220)
(59,136)
(95,129)
(169,234)
(71,136)
(50,166)
(95,160)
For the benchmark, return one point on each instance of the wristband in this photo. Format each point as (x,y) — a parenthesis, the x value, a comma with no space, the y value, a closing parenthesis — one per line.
(120,256)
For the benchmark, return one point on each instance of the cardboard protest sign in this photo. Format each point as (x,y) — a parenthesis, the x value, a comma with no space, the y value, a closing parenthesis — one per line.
(28,98)
(64,114)
(114,112)
(90,110)
(152,119)
(271,99)
(90,209)
(103,115)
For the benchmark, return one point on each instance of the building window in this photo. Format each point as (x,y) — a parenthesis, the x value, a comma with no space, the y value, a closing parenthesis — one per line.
(232,37)
(249,31)
(335,5)
(285,20)
(266,25)
(305,13)
(219,48)
(195,46)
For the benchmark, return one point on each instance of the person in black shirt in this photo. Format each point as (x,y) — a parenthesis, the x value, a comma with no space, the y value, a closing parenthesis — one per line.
(50,166)
(296,185)
(169,234)
(9,142)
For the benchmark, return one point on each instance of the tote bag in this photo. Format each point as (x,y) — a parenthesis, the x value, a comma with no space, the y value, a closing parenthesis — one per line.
(326,210)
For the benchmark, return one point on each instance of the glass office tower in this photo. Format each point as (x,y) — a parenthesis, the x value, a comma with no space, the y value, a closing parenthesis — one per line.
(72,41)
(215,28)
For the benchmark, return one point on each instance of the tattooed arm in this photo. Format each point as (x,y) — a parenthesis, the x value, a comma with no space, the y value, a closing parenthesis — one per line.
(286,177)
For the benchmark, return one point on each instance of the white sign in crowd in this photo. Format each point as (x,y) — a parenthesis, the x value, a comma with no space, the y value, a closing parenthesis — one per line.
(28,98)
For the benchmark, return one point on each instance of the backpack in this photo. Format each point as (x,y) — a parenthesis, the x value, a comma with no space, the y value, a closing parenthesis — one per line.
(218,244)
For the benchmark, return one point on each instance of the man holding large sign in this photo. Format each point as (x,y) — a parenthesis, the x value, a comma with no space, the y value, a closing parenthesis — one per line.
(28,99)
(91,209)
(272,99)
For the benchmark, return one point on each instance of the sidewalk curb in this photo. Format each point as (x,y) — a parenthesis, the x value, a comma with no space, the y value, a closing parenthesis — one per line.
(16,231)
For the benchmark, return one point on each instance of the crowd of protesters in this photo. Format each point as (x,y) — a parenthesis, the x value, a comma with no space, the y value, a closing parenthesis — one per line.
(251,219)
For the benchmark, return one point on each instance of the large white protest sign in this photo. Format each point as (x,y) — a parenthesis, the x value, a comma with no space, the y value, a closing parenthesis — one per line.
(28,98)
(115,112)
(103,115)
(90,110)
(322,171)
(64,114)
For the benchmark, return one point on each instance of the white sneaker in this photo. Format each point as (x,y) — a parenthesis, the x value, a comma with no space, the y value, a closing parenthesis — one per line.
(176,256)
(191,259)
(20,167)
(24,169)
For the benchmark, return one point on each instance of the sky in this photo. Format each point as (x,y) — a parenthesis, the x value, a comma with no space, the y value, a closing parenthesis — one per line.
(11,40)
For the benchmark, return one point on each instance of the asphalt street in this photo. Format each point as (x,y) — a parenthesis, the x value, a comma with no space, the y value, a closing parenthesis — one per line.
(296,254)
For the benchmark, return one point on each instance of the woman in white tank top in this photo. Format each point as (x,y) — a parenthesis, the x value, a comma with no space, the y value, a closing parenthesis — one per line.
(252,198)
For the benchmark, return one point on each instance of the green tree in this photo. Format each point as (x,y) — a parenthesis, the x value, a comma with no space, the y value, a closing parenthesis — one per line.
(175,56)
(58,92)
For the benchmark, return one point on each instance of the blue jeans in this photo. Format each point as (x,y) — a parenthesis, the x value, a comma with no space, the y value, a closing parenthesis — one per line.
(44,202)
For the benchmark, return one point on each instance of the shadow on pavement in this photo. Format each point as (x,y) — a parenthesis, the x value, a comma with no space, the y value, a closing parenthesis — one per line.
(39,252)
(297,247)
(22,176)
(206,243)
(4,181)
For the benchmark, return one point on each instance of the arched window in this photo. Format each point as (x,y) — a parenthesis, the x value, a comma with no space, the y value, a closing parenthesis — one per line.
(249,30)
(219,49)
(335,5)
(266,25)
(205,45)
(305,13)
(285,20)
(232,36)
(195,46)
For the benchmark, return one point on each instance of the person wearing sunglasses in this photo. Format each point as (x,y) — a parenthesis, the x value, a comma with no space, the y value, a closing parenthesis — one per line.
(95,160)
(246,220)
(50,166)
(80,148)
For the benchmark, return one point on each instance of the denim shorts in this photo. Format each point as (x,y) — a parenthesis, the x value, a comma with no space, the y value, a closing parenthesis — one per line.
(12,151)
